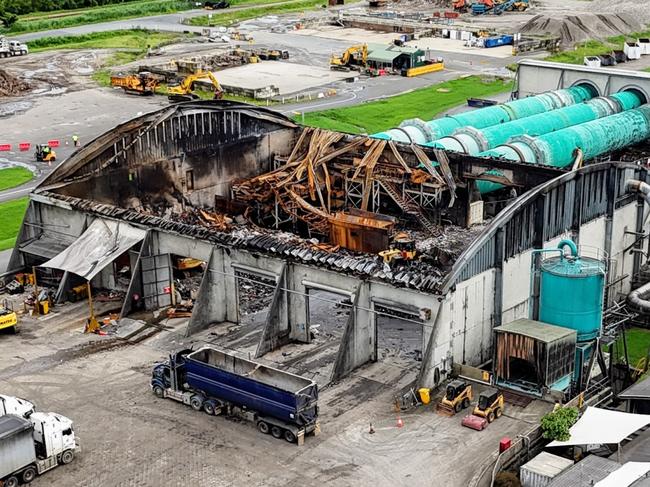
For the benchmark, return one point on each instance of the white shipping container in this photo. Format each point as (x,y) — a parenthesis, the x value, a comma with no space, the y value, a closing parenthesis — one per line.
(453,34)
(542,469)
(465,36)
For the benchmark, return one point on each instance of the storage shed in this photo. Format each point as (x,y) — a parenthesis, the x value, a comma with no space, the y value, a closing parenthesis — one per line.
(531,355)
(395,57)
(541,470)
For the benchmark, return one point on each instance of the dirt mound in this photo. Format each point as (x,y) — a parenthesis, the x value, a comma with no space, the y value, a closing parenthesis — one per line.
(10,85)
(576,28)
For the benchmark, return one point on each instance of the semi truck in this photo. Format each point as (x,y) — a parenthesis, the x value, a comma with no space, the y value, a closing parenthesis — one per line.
(31,447)
(12,48)
(277,402)
(15,405)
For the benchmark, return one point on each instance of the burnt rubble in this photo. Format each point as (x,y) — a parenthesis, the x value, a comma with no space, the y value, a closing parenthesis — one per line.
(420,275)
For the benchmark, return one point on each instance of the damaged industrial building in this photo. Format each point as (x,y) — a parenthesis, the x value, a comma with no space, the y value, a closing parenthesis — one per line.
(455,228)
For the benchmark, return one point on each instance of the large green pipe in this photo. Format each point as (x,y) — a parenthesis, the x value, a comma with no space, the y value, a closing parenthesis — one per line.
(592,138)
(420,132)
(473,141)
(559,148)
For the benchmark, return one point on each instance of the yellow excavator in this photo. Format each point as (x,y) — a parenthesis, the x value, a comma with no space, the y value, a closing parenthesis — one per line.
(184,91)
(355,57)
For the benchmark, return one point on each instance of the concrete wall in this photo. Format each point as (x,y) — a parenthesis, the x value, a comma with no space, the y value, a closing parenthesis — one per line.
(534,77)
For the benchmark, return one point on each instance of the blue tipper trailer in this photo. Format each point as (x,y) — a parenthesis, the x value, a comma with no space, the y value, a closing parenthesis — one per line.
(217,382)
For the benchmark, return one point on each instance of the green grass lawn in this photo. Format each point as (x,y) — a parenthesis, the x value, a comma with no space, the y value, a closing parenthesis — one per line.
(11,216)
(225,17)
(116,39)
(638,342)
(14,176)
(425,103)
(594,48)
(57,20)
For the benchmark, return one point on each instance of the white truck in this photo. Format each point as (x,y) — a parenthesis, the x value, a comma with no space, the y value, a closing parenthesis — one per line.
(30,447)
(15,405)
(12,48)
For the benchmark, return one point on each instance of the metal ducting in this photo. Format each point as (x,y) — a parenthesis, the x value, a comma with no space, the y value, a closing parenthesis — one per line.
(420,132)
(592,138)
(473,141)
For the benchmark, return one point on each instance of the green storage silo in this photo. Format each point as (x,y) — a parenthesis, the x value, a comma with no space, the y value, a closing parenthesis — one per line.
(571,292)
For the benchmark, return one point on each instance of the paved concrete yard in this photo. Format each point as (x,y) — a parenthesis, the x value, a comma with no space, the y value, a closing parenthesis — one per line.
(288,77)
(131,438)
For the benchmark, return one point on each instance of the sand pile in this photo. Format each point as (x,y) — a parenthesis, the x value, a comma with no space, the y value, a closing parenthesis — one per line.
(577,28)
(10,85)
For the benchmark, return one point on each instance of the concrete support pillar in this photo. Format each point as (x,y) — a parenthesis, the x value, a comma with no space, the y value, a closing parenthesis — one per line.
(297,307)
(276,328)
(211,302)
(427,376)
(135,285)
(357,342)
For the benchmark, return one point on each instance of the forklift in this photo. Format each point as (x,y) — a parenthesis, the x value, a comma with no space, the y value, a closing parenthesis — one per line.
(489,407)
(44,153)
(457,397)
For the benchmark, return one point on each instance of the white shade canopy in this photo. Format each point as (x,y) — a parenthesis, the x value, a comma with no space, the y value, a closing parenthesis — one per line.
(602,426)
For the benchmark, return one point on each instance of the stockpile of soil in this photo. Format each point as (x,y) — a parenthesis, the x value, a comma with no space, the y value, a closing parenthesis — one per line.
(576,28)
(10,85)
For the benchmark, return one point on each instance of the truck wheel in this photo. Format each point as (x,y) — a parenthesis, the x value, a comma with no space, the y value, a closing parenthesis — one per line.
(263,427)
(465,403)
(289,436)
(11,482)
(276,432)
(499,412)
(458,406)
(158,391)
(197,403)
(67,456)
(208,407)
(490,416)
(29,474)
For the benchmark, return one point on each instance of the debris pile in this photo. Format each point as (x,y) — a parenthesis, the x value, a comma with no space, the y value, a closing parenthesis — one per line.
(576,28)
(313,183)
(10,85)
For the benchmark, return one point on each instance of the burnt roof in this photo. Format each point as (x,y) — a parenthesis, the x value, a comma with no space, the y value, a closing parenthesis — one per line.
(421,276)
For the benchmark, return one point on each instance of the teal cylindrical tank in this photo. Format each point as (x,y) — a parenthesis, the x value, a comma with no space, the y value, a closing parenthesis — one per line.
(571,292)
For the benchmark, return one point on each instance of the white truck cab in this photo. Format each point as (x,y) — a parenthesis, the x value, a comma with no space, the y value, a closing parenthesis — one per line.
(53,435)
(15,405)
(17,48)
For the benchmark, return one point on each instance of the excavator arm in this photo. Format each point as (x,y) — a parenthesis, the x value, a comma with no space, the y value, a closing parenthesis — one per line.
(185,87)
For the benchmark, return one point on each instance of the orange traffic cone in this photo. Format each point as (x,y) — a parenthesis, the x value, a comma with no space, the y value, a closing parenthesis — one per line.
(400,423)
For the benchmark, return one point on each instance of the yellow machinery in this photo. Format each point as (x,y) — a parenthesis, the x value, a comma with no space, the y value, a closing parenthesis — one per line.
(355,57)
(457,397)
(44,153)
(8,318)
(424,69)
(490,405)
(184,90)
(136,84)
(402,249)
